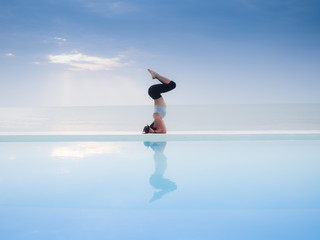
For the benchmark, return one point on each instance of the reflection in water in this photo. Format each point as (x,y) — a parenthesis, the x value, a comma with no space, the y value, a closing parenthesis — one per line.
(84,149)
(157,180)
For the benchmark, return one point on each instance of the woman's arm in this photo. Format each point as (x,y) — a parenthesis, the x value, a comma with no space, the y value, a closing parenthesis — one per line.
(159,124)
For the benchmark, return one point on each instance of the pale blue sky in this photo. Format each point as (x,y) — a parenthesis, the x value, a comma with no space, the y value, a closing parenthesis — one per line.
(94,52)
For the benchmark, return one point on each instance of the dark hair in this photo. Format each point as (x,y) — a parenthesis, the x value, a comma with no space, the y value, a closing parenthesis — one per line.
(146,129)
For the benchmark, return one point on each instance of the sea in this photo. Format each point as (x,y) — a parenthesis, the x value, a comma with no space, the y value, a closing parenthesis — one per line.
(215,117)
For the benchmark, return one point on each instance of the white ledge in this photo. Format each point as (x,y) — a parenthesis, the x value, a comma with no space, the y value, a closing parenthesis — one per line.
(170,136)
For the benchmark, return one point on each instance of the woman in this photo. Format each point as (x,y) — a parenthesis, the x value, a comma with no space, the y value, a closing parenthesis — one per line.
(155,91)
(157,179)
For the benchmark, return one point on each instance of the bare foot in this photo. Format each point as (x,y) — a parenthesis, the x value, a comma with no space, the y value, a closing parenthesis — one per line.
(153,74)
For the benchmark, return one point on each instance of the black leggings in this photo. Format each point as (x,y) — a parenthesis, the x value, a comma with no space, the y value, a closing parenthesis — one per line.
(156,90)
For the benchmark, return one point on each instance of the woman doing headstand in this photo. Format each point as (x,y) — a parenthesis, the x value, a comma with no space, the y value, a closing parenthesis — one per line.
(154,92)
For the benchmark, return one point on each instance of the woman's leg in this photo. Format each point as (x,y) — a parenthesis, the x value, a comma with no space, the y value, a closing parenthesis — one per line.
(162,79)
(156,90)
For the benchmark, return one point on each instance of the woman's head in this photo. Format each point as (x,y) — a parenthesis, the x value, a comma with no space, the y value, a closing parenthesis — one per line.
(146,128)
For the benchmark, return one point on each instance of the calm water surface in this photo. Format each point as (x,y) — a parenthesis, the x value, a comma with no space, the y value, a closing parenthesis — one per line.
(224,117)
(160,190)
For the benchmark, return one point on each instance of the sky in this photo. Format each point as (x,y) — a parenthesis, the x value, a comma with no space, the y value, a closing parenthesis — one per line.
(96,52)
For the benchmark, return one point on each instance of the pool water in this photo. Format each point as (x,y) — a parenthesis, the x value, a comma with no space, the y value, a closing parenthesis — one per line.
(160,190)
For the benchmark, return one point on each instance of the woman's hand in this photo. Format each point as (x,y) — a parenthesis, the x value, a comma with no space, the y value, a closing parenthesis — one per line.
(151,130)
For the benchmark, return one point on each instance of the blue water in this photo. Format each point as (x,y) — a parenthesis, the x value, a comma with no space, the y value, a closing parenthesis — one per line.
(160,190)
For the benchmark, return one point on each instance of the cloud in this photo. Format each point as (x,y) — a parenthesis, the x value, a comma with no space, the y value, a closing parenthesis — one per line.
(79,61)
(60,40)
(10,55)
